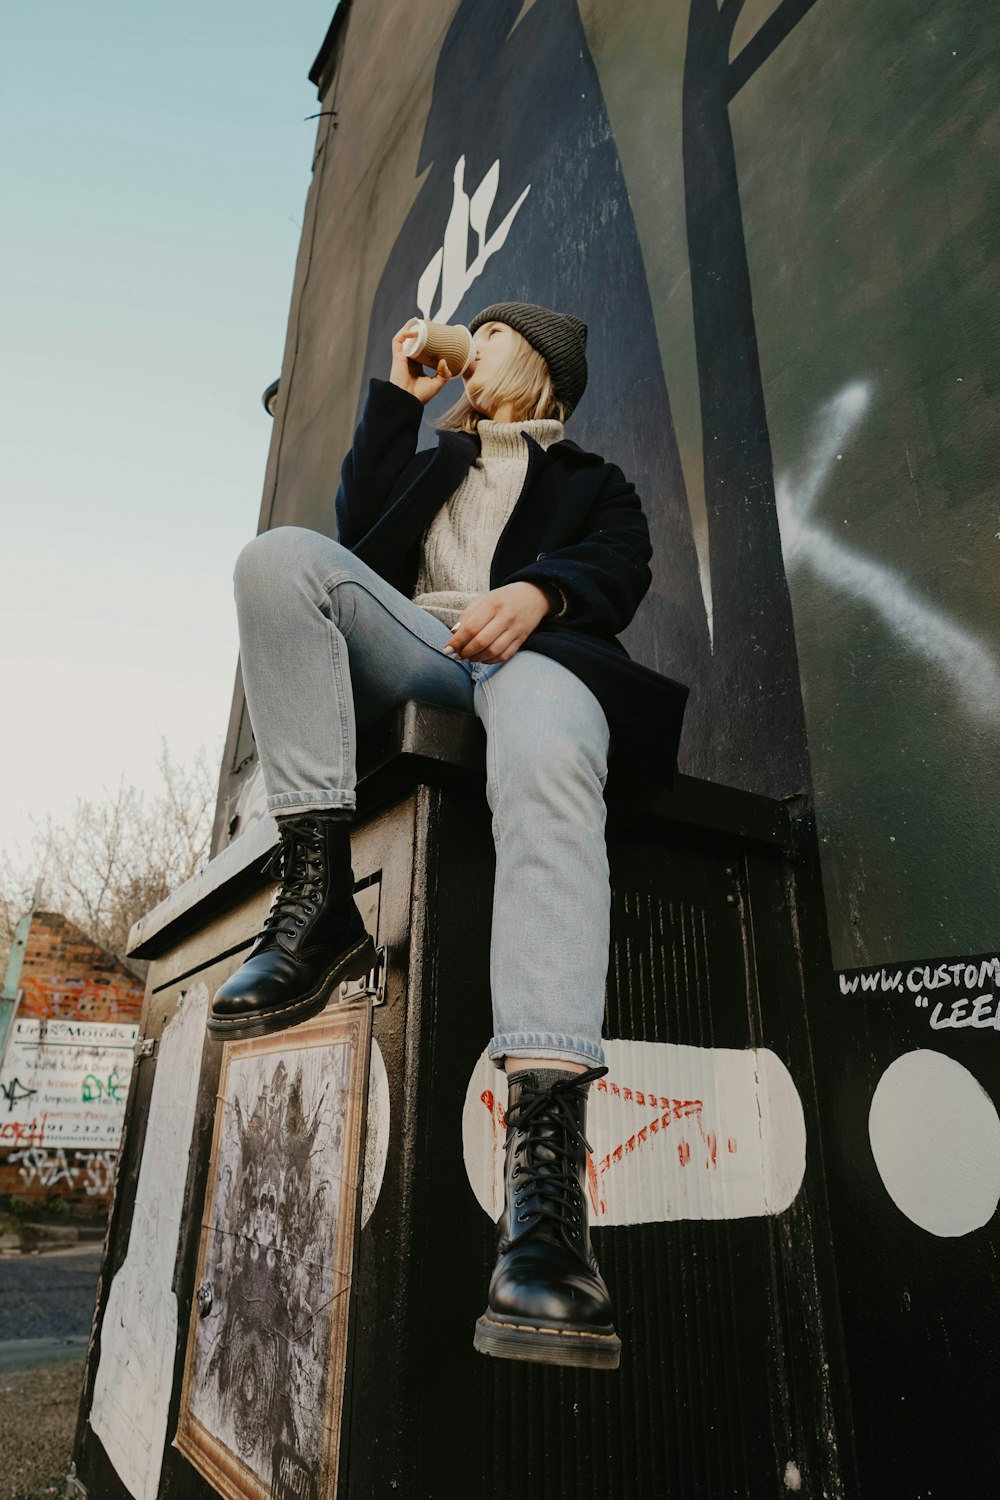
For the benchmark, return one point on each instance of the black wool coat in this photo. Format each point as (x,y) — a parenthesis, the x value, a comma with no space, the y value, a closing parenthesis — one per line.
(577,523)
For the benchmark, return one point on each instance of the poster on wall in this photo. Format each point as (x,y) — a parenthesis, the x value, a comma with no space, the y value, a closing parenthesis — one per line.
(65,1083)
(266,1353)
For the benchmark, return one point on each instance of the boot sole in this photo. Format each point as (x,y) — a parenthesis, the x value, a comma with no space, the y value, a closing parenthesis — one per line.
(354,964)
(558,1345)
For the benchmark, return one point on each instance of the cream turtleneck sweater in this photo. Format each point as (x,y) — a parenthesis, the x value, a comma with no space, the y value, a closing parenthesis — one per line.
(456,550)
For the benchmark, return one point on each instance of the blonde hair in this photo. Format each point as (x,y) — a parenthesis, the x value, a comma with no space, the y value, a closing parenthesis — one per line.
(523,383)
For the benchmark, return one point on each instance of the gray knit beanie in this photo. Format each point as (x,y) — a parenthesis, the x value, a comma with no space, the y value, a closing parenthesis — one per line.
(559,338)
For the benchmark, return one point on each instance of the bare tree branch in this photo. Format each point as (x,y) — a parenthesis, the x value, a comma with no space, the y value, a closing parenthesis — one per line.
(111,861)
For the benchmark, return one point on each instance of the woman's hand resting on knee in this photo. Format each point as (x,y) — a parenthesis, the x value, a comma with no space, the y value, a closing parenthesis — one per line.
(495,625)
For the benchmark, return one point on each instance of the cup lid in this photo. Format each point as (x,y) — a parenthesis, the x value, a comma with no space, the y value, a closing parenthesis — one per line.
(416,337)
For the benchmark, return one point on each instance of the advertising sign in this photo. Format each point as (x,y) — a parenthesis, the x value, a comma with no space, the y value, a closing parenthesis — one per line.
(64,1083)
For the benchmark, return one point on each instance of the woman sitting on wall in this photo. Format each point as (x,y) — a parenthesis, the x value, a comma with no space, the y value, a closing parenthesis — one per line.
(491,574)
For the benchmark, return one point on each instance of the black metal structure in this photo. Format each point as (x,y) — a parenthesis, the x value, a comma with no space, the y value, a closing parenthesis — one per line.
(732,1376)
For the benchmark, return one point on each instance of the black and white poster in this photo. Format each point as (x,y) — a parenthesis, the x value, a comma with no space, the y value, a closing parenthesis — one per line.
(266,1353)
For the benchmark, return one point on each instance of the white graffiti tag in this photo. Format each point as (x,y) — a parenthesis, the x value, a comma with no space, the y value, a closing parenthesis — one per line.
(48,1169)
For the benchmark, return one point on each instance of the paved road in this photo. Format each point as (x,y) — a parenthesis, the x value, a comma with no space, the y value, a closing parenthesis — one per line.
(30,1354)
(46,1306)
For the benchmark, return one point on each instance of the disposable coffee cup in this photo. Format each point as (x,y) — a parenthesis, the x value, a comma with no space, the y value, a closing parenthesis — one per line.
(429,342)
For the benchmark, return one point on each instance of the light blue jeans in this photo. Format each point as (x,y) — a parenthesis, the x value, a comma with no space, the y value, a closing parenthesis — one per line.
(326,645)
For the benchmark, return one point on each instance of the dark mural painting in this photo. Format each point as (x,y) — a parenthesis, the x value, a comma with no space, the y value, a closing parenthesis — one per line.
(535,209)
(871,235)
(819,456)
(523,200)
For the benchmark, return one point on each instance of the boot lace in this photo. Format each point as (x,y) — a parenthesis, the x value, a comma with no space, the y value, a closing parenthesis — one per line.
(297,863)
(550,1199)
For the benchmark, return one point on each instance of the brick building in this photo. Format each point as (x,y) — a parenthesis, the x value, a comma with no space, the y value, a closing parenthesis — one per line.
(66,976)
(57,975)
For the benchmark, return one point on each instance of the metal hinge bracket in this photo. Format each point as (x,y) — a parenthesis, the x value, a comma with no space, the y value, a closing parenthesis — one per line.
(372,983)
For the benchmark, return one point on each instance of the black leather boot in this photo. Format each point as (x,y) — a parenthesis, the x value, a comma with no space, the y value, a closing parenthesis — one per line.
(312,939)
(547,1299)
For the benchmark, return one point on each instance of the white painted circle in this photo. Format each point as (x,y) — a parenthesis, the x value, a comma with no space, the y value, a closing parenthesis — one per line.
(935,1137)
(377,1138)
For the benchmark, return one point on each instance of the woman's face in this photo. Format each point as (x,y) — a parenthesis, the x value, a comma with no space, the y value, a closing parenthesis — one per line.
(494,344)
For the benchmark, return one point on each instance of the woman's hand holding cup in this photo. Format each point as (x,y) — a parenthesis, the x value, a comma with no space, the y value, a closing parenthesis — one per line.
(410,375)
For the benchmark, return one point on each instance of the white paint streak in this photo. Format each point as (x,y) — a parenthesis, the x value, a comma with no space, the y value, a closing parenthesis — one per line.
(970,666)
(935,1137)
(377,1133)
(677,1133)
(139,1330)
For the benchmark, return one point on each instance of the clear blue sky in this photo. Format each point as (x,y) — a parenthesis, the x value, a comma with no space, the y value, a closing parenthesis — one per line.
(155,165)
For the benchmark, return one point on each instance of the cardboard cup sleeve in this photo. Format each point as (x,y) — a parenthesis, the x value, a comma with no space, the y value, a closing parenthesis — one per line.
(428,342)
